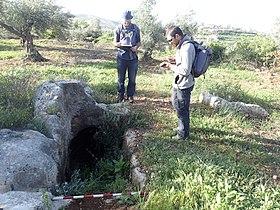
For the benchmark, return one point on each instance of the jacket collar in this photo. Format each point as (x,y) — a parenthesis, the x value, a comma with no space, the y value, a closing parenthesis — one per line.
(185,38)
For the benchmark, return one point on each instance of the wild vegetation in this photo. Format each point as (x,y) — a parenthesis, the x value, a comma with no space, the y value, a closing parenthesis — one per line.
(230,162)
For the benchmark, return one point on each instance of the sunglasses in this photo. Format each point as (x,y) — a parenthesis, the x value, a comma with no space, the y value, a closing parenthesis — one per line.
(170,40)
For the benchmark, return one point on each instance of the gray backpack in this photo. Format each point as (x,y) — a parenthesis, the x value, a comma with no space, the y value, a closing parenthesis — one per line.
(203,55)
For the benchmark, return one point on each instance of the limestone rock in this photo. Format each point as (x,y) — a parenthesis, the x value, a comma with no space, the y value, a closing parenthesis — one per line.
(18,200)
(28,161)
(66,107)
(222,105)
(130,144)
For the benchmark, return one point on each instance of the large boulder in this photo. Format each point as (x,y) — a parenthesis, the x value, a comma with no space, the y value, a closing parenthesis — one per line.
(19,200)
(28,161)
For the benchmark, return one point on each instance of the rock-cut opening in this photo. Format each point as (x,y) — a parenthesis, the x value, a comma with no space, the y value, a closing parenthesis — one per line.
(85,150)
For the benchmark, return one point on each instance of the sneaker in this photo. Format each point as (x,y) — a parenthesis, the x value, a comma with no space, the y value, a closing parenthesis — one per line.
(177,137)
(120,99)
(130,99)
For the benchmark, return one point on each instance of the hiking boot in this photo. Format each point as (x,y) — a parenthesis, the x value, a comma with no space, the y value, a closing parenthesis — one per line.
(120,99)
(130,99)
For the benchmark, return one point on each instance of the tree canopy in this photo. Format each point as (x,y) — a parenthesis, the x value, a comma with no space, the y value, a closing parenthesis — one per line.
(152,31)
(186,22)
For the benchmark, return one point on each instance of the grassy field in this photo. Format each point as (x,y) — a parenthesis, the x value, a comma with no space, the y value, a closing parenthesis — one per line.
(230,161)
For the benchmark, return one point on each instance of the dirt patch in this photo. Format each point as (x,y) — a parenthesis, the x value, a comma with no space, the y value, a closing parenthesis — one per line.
(97,204)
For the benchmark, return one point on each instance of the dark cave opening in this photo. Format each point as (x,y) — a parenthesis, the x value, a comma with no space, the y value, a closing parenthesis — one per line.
(98,161)
(93,144)
(85,150)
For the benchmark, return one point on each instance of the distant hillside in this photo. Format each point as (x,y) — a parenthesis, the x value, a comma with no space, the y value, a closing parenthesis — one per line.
(206,32)
(227,34)
(104,23)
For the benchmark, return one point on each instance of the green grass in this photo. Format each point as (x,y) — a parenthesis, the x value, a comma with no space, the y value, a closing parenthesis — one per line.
(229,161)
(7,55)
(224,165)
(10,49)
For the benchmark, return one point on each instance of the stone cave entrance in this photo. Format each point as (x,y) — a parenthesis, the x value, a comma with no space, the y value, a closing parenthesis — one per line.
(84,150)
(91,145)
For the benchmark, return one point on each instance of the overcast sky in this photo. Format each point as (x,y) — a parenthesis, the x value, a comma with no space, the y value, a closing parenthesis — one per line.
(248,14)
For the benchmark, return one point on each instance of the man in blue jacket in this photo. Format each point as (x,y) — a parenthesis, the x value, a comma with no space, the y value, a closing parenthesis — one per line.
(183,81)
(127,40)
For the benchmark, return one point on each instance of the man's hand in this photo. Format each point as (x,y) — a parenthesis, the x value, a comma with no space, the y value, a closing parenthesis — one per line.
(117,44)
(171,59)
(165,65)
(133,49)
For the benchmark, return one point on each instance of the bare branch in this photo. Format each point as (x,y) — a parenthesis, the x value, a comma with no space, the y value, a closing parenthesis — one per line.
(12,30)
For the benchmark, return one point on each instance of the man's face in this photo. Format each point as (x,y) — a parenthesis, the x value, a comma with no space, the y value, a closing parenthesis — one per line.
(126,23)
(171,40)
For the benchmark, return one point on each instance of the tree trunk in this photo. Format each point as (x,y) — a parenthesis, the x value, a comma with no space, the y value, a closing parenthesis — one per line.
(147,55)
(22,42)
(31,53)
(26,36)
(29,43)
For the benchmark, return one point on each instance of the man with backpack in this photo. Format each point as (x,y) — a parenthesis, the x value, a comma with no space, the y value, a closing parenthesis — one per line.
(183,82)
(127,40)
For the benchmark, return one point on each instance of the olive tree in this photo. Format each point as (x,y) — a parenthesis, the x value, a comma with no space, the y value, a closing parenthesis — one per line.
(85,30)
(152,31)
(276,31)
(27,18)
(186,22)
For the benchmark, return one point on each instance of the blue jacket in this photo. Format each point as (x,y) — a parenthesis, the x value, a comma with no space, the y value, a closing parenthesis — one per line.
(130,36)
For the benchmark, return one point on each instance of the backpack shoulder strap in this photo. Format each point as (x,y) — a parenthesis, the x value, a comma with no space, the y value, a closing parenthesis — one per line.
(195,48)
(195,43)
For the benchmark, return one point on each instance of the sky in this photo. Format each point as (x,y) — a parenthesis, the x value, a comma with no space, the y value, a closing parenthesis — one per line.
(247,14)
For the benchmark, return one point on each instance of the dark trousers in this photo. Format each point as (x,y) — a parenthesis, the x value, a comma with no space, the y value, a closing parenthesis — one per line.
(131,66)
(181,103)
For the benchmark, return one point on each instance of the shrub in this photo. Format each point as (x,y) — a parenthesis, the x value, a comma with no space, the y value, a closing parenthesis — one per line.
(17,91)
(85,31)
(253,52)
(218,51)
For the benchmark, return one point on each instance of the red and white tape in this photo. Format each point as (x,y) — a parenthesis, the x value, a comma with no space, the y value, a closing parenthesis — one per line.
(106,195)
